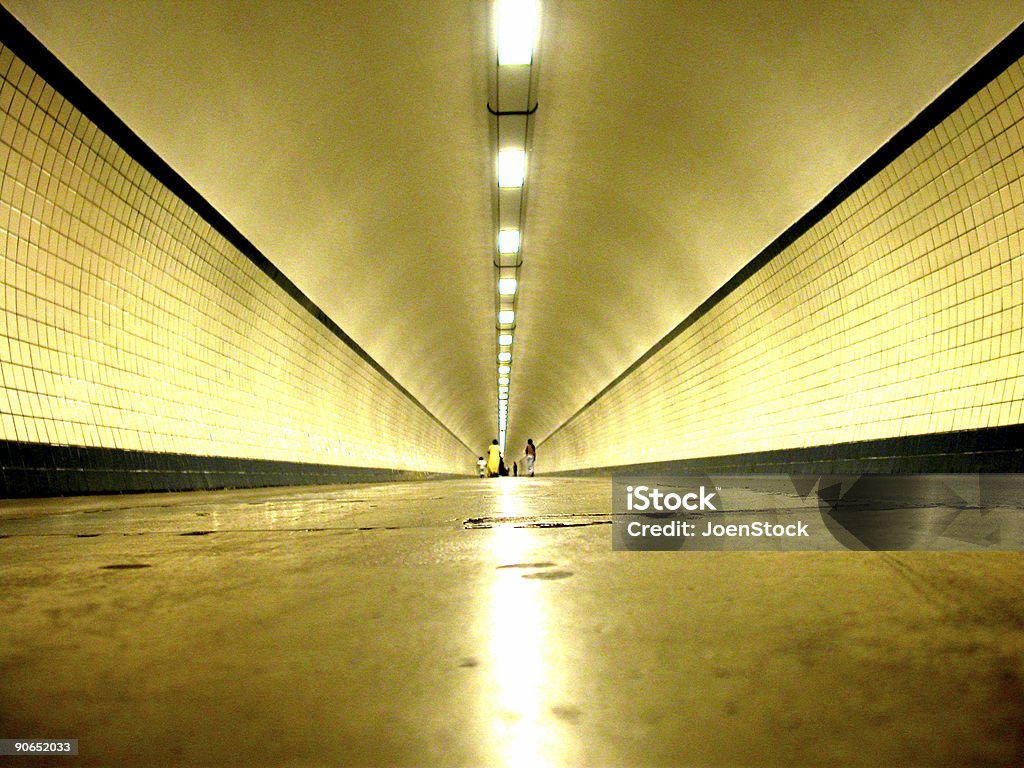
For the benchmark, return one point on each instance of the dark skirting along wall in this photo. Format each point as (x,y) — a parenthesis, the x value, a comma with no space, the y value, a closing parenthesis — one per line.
(999,449)
(34,469)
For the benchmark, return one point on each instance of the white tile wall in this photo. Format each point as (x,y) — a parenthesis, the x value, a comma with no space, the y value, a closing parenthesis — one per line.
(128,322)
(900,313)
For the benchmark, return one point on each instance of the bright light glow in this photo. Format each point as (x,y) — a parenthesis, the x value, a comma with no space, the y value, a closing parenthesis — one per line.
(508,241)
(518,685)
(507,286)
(511,168)
(504,370)
(504,339)
(503,389)
(517,31)
(503,380)
(504,357)
(506,317)
(503,396)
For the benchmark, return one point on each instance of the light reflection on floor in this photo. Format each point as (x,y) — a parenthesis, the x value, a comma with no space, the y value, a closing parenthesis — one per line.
(521,729)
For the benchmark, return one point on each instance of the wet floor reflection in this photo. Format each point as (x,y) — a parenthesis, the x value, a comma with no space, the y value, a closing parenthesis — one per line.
(518,699)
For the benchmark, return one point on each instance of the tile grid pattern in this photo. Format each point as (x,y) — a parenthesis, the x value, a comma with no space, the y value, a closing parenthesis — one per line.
(128,322)
(899,313)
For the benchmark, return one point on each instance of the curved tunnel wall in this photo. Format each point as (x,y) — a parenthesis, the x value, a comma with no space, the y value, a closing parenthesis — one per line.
(882,333)
(145,345)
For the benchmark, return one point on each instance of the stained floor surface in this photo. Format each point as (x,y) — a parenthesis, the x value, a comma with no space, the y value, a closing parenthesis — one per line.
(487,623)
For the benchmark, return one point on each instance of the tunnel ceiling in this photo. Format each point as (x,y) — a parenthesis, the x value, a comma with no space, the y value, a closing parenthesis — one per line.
(350,142)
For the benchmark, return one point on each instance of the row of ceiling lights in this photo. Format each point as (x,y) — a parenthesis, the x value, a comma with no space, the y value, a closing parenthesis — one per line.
(513,89)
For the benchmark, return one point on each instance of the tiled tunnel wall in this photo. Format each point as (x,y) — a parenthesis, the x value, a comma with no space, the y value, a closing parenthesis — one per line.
(143,349)
(882,333)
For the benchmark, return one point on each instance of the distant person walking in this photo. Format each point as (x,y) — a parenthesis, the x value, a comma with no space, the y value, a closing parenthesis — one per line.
(481,466)
(493,459)
(531,456)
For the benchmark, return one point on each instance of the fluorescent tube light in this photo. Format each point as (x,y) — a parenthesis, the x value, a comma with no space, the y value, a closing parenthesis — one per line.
(517,31)
(511,168)
(508,241)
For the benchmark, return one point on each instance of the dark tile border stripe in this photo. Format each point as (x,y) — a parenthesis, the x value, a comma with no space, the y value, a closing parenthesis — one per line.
(993,64)
(29,49)
(994,449)
(31,470)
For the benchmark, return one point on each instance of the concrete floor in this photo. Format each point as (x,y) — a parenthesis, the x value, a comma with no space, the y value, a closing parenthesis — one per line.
(370,626)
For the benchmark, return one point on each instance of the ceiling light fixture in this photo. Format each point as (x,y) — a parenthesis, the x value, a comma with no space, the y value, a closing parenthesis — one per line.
(513,93)
(511,168)
(517,31)
(508,241)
